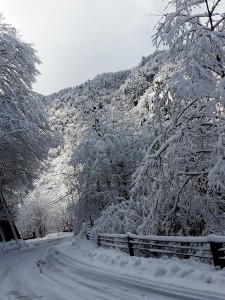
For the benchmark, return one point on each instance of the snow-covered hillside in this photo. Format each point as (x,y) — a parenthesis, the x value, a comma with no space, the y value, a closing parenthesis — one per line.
(83,115)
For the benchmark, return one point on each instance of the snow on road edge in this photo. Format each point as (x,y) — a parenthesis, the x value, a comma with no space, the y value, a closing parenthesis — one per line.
(186,273)
(11,245)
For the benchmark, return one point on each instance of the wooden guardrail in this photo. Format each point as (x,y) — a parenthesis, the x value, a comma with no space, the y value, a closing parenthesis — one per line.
(208,249)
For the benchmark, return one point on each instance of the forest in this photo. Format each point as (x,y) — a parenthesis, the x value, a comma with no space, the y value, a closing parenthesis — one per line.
(139,150)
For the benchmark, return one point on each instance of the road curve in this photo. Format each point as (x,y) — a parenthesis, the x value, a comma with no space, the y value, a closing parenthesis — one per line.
(42,272)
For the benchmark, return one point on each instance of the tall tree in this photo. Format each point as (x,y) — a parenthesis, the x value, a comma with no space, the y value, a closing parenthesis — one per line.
(182,178)
(104,161)
(24,130)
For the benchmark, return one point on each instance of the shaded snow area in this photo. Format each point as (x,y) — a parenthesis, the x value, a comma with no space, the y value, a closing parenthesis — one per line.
(11,245)
(57,268)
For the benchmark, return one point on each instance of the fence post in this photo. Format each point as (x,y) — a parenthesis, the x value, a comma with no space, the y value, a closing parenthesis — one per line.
(130,246)
(217,254)
(98,240)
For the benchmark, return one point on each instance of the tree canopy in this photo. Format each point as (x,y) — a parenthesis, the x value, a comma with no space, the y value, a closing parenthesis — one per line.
(24,129)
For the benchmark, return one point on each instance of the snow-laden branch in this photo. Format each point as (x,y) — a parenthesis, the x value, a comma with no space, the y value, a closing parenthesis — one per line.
(170,140)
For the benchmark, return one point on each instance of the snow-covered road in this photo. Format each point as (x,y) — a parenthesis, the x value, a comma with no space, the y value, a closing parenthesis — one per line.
(41,271)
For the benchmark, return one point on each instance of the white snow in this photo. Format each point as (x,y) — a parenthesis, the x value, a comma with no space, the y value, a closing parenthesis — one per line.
(57,235)
(194,239)
(56,268)
(11,245)
(180,272)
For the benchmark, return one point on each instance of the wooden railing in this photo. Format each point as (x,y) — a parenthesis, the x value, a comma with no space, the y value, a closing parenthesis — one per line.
(207,249)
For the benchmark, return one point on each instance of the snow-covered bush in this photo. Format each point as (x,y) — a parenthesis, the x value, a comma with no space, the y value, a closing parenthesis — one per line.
(117,218)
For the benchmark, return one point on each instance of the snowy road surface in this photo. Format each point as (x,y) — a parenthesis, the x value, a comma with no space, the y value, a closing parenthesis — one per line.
(41,271)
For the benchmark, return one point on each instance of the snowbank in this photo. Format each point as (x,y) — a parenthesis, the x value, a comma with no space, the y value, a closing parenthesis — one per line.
(58,234)
(180,272)
(11,245)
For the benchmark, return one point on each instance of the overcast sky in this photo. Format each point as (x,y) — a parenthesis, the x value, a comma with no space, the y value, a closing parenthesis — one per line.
(78,39)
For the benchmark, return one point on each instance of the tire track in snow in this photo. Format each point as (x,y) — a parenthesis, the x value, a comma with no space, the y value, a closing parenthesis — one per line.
(43,272)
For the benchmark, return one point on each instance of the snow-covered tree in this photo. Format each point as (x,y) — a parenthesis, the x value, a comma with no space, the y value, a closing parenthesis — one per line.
(24,130)
(104,162)
(180,182)
(33,219)
(38,217)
